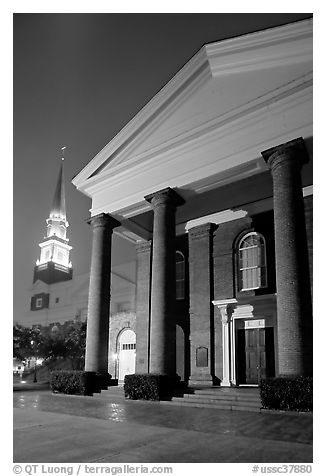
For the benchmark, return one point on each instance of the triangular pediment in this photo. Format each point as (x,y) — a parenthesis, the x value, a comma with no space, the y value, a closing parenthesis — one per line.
(219,80)
(216,103)
(208,125)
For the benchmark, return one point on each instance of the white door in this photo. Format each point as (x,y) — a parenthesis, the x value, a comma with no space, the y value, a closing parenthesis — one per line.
(127,353)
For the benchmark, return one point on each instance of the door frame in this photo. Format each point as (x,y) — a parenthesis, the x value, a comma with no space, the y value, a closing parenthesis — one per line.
(119,350)
(226,322)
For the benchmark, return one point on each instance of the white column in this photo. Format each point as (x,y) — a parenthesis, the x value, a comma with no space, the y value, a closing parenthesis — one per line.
(226,308)
(232,352)
(226,346)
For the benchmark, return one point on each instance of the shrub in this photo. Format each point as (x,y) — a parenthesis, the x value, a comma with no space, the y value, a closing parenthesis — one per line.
(149,386)
(78,382)
(284,393)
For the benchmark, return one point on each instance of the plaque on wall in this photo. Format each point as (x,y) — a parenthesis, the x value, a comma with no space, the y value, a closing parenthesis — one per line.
(201,357)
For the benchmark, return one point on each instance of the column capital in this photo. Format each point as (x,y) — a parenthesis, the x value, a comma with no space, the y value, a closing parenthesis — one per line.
(103,220)
(143,246)
(223,308)
(200,231)
(226,308)
(294,151)
(166,196)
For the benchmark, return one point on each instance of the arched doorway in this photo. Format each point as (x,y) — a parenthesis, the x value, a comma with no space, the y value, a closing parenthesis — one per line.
(126,353)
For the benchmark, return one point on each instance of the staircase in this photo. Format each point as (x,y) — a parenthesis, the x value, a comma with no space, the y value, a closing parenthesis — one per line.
(221,398)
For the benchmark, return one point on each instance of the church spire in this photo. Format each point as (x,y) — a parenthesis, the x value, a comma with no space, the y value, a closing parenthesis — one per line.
(54,264)
(58,209)
(57,221)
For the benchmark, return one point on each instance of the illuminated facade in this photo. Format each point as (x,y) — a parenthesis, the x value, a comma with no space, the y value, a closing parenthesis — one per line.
(212,180)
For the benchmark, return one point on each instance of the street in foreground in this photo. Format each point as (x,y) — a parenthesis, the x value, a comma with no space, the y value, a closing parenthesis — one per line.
(107,428)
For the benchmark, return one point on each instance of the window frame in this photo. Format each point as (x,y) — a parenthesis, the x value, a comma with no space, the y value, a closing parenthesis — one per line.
(183,279)
(263,281)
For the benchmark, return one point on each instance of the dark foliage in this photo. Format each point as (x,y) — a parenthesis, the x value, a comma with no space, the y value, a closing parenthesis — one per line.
(149,386)
(78,382)
(62,341)
(287,393)
(26,342)
(72,382)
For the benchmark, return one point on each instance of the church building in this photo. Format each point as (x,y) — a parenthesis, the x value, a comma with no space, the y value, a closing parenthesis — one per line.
(212,180)
(58,296)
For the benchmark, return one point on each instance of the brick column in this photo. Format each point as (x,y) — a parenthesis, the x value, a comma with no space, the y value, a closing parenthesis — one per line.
(201,310)
(294,314)
(162,326)
(96,359)
(143,295)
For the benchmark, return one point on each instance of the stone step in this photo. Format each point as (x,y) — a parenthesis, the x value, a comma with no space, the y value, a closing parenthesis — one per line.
(225,401)
(216,405)
(221,396)
(116,391)
(225,391)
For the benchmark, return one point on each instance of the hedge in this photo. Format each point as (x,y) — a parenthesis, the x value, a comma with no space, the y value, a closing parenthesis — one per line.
(78,382)
(284,393)
(149,386)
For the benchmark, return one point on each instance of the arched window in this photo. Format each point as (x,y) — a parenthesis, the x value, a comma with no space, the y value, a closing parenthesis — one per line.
(180,275)
(252,262)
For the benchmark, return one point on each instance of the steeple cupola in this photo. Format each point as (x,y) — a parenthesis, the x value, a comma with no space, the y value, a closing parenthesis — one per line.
(54,264)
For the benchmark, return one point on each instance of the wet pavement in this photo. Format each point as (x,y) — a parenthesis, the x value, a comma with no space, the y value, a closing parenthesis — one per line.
(109,428)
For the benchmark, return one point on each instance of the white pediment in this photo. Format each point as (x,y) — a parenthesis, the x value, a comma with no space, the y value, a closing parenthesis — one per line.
(232,100)
(219,101)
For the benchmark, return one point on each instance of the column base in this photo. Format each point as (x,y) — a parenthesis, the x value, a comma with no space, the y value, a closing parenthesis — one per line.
(98,381)
(226,383)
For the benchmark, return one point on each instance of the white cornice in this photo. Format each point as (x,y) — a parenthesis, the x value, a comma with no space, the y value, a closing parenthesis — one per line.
(257,130)
(55,242)
(217,218)
(228,124)
(224,302)
(283,45)
(264,49)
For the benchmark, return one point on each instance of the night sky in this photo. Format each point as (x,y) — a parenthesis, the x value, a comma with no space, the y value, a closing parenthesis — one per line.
(78,79)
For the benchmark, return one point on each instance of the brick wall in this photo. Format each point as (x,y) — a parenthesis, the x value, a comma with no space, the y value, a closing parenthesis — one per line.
(308,209)
(143,290)
(182,316)
(118,323)
(201,296)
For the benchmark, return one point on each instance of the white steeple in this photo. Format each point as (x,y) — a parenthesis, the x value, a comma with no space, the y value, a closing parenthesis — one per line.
(55,248)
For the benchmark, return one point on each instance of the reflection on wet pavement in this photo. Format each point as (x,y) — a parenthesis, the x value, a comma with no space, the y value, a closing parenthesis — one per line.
(114,408)
(21,401)
(116,412)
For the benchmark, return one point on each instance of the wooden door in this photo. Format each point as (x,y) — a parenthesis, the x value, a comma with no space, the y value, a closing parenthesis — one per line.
(259,354)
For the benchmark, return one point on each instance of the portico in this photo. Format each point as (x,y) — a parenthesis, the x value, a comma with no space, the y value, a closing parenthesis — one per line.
(188,175)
